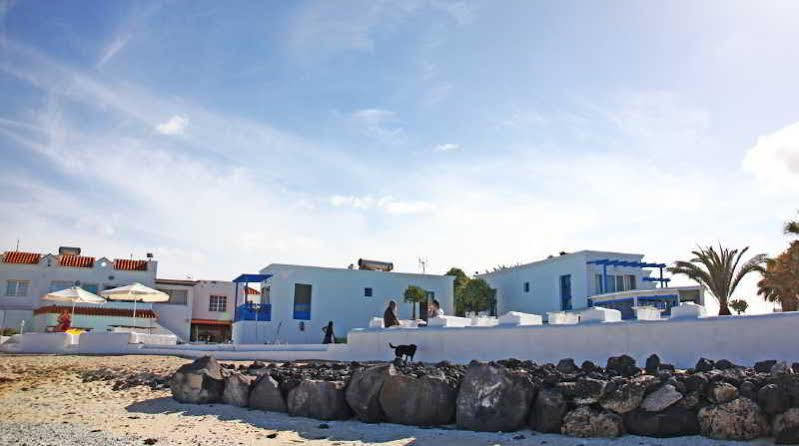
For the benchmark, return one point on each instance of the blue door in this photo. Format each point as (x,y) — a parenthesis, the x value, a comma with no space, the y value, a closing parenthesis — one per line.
(566,292)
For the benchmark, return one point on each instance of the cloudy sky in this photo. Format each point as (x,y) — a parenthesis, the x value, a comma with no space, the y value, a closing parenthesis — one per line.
(468,133)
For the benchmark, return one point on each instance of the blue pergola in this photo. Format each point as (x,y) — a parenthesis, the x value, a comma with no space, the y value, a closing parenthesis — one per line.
(630,264)
(249,313)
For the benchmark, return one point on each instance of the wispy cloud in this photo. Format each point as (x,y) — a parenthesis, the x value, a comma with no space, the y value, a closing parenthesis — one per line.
(379,124)
(176,125)
(112,49)
(387,204)
(448,147)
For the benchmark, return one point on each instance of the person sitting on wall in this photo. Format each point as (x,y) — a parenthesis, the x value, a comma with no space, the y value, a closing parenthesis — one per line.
(434,310)
(390,316)
(330,338)
(64,321)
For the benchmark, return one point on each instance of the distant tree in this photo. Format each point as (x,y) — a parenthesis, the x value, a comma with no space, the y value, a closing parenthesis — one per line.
(739,305)
(792,227)
(718,271)
(460,277)
(476,296)
(780,281)
(413,295)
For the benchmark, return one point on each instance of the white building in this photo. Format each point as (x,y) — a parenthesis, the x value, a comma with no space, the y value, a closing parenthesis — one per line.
(200,310)
(302,299)
(573,281)
(26,277)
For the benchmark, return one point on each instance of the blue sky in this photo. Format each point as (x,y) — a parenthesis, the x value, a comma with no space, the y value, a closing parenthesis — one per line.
(469,133)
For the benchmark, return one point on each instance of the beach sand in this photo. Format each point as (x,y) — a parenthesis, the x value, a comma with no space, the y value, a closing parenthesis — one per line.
(45,400)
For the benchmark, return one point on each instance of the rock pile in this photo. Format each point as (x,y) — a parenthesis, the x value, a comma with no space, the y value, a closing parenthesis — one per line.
(122,381)
(717,399)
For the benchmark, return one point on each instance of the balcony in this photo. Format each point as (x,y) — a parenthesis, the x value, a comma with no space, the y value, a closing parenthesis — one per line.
(253,312)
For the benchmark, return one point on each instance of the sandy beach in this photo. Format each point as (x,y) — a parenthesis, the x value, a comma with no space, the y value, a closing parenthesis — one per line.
(54,400)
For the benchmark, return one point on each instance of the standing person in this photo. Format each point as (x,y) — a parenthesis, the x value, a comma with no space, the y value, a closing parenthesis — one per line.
(390,316)
(434,310)
(330,338)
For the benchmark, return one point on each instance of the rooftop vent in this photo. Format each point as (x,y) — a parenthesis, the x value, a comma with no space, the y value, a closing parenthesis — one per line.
(375,265)
(69,250)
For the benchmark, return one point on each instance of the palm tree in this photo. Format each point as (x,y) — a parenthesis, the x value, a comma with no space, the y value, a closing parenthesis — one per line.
(718,271)
(413,295)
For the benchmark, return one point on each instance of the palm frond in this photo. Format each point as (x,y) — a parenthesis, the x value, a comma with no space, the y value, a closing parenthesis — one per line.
(755,264)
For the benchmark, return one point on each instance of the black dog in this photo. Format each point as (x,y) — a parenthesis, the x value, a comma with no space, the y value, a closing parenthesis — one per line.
(404,352)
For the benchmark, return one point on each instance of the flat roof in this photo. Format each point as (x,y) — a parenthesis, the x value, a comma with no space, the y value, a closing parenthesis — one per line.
(185,282)
(555,258)
(355,270)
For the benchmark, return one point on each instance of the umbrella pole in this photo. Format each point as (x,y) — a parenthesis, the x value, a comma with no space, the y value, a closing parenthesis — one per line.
(134,317)
(72,319)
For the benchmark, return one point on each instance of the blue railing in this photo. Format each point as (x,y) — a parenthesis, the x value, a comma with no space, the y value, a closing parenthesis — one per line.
(254,312)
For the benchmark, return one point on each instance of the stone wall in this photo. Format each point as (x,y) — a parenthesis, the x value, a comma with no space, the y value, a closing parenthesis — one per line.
(716,399)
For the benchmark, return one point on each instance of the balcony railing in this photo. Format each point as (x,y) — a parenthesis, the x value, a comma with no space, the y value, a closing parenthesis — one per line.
(254,312)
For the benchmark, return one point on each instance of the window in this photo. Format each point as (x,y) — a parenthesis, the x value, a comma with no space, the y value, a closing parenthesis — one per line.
(610,286)
(566,292)
(526,287)
(302,301)
(217,303)
(631,282)
(17,288)
(177,297)
(619,283)
(598,283)
(58,285)
(367,292)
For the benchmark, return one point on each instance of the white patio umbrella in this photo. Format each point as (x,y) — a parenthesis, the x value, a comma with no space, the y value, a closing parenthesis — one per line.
(135,292)
(76,295)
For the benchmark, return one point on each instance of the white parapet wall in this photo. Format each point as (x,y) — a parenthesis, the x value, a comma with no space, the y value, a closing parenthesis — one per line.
(517,318)
(680,341)
(599,314)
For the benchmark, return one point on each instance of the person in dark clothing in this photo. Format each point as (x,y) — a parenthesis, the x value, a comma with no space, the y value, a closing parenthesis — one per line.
(390,316)
(330,338)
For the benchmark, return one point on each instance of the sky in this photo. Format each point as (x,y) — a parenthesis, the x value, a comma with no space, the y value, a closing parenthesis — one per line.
(469,134)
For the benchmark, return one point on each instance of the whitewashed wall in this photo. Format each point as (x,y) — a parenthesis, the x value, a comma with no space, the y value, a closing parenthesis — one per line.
(338,294)
(544,279)
(202,298)
(741,339)
(176,317)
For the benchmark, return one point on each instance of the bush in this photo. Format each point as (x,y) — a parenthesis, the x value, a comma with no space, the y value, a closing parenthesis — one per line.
(8,332)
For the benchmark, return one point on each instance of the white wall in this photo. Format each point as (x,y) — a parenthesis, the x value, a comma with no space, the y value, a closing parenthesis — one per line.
(202,296)
(544,278)
(741,339)
(338,295)
(176,317)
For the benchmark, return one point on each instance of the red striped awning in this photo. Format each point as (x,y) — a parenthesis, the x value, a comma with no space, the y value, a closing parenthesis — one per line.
(23,258)
(130,265)
(97,311)
(76,261)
